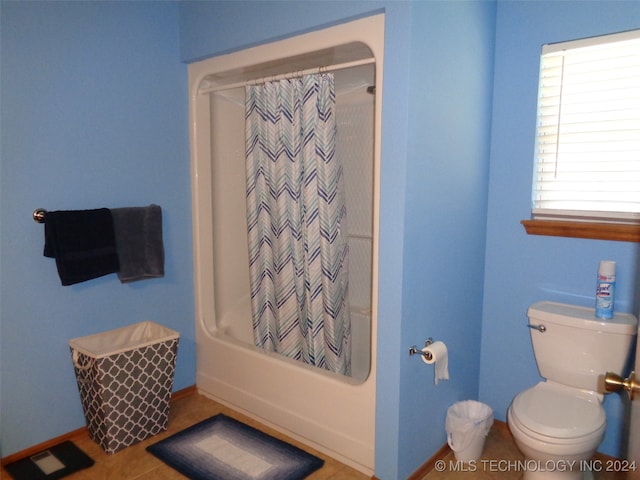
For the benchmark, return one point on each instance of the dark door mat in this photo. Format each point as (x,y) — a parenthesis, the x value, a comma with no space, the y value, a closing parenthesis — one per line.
(55,462)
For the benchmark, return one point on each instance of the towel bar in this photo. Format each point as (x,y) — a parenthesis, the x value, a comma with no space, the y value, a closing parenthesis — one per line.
(38,215)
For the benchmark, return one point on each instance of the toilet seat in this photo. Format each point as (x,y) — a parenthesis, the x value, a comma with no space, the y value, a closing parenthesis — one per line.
(556,413)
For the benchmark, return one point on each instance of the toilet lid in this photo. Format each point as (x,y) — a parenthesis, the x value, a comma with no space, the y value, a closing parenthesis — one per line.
(558,412)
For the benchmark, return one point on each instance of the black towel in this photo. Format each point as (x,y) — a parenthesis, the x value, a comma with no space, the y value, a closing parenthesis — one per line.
(82,242)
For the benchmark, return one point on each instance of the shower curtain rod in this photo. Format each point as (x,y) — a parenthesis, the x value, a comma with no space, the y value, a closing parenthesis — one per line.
(282,76)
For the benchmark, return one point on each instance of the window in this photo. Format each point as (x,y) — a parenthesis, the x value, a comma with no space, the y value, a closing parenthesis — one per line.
(587,156)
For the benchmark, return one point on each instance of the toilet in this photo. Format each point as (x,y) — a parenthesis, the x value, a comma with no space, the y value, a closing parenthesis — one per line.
(559,422)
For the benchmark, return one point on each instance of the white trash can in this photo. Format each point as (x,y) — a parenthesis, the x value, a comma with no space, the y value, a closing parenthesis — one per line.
(467,424)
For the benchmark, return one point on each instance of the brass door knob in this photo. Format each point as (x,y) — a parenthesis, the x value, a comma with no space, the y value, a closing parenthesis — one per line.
(614,383)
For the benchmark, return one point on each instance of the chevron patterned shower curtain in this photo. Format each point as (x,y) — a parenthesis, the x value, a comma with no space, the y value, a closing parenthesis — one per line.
(296,213)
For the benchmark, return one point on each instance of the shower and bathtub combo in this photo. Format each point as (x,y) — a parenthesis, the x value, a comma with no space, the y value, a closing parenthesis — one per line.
(329,411)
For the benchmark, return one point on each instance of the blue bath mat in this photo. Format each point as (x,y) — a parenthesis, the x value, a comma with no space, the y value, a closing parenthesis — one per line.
(221,448)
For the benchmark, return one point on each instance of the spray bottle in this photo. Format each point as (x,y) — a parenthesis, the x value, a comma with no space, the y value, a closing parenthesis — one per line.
(605,289)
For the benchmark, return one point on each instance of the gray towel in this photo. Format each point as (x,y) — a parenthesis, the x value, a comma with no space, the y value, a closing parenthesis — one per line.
(138,234)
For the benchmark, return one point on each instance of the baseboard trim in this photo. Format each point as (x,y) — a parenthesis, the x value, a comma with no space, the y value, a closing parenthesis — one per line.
(185,392)
(427,466)
(43,446)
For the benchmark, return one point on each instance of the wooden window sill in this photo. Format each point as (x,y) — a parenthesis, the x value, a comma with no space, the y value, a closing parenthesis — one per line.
(599,231)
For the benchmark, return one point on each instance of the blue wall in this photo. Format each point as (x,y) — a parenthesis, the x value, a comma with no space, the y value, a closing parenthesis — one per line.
(445,214)
(520,268)
(94,114)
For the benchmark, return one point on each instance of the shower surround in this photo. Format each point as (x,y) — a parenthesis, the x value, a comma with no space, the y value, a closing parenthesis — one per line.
(333,413)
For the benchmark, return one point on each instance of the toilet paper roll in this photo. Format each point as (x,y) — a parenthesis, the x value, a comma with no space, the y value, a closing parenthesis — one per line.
(439,356)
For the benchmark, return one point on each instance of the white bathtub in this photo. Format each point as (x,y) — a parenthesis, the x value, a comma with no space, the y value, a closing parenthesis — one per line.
(235,326)
(302,401)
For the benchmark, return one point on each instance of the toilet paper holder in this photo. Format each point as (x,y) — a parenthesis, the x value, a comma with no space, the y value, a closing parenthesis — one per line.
(414,349)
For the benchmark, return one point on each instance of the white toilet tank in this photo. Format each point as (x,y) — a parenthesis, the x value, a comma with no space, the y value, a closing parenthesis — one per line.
(576,348)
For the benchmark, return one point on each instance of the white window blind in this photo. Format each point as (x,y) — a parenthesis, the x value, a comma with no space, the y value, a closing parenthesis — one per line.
(587,158)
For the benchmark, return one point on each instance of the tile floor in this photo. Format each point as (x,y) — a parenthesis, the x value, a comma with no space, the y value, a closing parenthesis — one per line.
(134,463)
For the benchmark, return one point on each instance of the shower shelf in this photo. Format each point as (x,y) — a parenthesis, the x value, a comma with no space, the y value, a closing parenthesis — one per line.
(360,237)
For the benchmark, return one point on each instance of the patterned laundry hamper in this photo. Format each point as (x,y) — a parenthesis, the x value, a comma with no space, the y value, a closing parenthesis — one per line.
(125,378)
